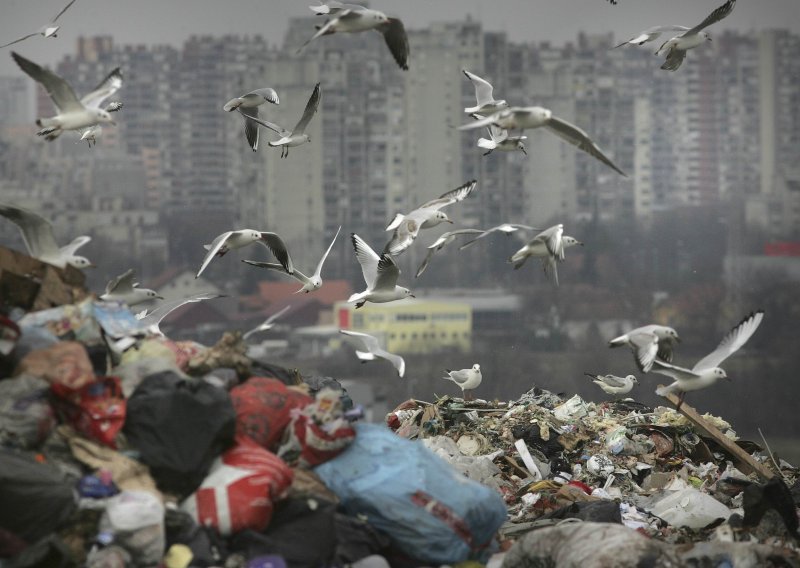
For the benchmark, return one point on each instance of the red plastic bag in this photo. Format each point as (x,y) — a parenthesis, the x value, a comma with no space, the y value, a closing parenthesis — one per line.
(96,410)
(240,489)
(263,409)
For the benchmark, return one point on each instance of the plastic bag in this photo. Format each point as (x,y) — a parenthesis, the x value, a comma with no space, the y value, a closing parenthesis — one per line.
(96,409)
(136,519)
(26,417)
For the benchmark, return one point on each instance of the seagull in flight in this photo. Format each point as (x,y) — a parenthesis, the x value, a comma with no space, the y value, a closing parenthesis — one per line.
(486,103)
(368,349)
(231,240)
(380,274)
(443,240)
(676,48)
(549,246)
(247,105)
(91,135)
(289,138)
(429,214)
(505,228)
(310,284)
(648,343)
(706,371)
(613,384)
(354,18)
(124,289)
(73,114)
(500,140)
(149,321)
(48,30)
(522,118)
(37,232)
(268,324)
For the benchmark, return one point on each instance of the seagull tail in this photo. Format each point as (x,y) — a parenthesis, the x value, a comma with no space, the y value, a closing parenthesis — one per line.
(357,297)
(617,341)
(664,391)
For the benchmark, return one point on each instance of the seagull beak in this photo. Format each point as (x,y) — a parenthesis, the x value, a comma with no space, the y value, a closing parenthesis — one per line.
(90,265)
(112,122)
(412,295)
(450,221)
(524,151)
(580,243)
(678,339)
(728,379)
(157,297)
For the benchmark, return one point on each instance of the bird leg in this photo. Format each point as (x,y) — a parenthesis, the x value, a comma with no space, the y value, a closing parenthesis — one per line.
(360,304)
(680,400)
(487,153)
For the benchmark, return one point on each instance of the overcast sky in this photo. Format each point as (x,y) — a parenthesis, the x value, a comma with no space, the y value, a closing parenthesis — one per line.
(172,21)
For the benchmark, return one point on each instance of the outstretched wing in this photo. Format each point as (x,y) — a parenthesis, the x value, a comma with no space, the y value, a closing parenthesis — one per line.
(64,9)
(122,283)
(165,308)
(674,59)
(57,88)
(483,89)
(367,258)
(250,126)
(266,124)
(23,38)
(275,244)
(714,17)
(107,87)
(732,342)
(213,249)
(458,194)
(578,137)
(645,349)
(670,370)
(308,113)
(394,33)
(361,341)
(72,247)
(318,270)
(37,232)
(388,273)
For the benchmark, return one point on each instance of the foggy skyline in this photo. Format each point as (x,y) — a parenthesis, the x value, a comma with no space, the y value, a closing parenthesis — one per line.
(158,22)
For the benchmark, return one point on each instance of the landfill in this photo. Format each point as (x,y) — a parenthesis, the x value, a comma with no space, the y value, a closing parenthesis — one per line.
(120,447)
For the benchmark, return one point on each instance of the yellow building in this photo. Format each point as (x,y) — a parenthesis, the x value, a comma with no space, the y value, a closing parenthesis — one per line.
(411,326)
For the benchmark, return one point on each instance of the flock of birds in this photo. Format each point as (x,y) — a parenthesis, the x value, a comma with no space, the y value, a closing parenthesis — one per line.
(652,345)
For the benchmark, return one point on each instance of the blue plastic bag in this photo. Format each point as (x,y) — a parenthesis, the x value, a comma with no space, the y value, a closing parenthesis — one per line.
(429,510)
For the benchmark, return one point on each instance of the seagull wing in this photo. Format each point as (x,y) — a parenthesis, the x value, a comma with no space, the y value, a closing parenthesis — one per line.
(645,349)
(613,381)
(318,270)
(460,377)
(37,232)
(64,9)
(670,370)
(122,283)
(406,232)
(513,226)
(165,308)
(107,87)
(213,249)
(714,17)
(497,134)
(297,275)
(551,237)
(311,108)
(550,266)
(578,137)
(57,88)
(425,262)
(76,243)
(458,194)
(394,33)
(367,258)
(732,342)
(23,38)
(275,244)
(361,341)
(388,273)
(276,315)
(344,14)
(266,124)
(674,59)
(269,95)
(250,126)
(398,362)
(483,89)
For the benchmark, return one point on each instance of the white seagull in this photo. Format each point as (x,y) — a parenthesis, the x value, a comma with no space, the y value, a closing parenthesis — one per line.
(443,240)
(149,321)
(429,214)
(505,228)
(368,349)
(486,103)
(48,30)
(647,343)
(501,141)
(380,274)
(73,114)
(37,232)
(521,118)
(467,379)
(247,105)
(91,135)
(268,324)
(296,136)
(707,371)
(124,289)
(613,384)
(549,246)
(310,284)
(676,48)
(231,240)
(354,18)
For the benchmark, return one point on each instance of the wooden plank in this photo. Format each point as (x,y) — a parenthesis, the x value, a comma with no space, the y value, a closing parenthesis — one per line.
(743,461)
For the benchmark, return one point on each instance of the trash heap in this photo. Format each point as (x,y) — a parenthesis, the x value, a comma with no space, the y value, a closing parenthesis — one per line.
(583,482)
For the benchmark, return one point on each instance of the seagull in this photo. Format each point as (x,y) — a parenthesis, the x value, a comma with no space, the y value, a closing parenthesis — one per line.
(647,343)
(613,384)
(124,289)
(37,232)
(407,227)
(506,228)
(292,138)
(651,34)
(268,324)
(355,18)
(368,349)
(309,284)
(46,31)
(500,140)
(149,321)
(237,239)
(467,379)
(676,48)
(73,114)
(247,105)
(90,135)
(380,274)
(486,103)
(443,240)
(535,117)
(706,372)
(549,246)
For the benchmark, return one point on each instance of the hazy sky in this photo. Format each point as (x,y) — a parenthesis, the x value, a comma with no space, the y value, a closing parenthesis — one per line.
(171,21)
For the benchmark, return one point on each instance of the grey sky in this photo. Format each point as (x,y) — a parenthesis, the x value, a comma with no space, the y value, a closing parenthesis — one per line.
(172,21)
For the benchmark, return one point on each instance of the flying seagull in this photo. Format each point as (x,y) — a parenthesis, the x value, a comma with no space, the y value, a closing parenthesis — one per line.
(706,371)
(613,384)
(501,141)
(48,30)
(505,228)
(310,284)
(355,18)
(648,343)
(73,114)
(486,103)
(467,379)
(124,289)
(676,48)
(549,246)
(149,321)
(429,214)
(535,117)
(247,105)
(268,324)
(37,232)
(380,274)
(296,136)
(443,240)
(231,240)
(91,135)
(368,349)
